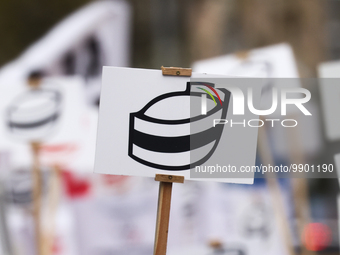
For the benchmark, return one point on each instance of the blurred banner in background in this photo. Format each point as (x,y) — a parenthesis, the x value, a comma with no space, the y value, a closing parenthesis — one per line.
(51,56)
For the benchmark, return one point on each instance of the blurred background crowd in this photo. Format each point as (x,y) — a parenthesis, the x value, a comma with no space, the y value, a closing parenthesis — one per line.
(61,47)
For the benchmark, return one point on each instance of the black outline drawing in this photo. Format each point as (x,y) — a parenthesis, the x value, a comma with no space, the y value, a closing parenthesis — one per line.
(180,143)
(54,96)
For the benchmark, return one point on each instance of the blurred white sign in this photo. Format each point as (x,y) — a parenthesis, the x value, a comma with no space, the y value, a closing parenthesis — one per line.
(330,98)
(5,241)
(269,62)
(337,165)
(274,63)
(122,223)
(56,115)
(95,35)
(240,218)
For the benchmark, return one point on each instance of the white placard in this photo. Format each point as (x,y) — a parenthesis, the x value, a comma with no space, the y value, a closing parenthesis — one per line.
(338,202)
(275,63)
(5,242)
(57,116)
(241,218)
(330,98)
(125,91)
(270,62)
(337,165)
(125,221)
(95,35)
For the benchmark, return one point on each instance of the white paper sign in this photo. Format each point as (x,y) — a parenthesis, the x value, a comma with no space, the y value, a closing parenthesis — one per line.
(120,223)
(275,61)
(338,201)
(134,121)
(337,165)
(241,218)
(56,115)
(330,98)
(5,242)
(95,35)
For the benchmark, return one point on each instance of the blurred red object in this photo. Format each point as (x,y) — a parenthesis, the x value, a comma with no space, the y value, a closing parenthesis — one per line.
(115,179)
(317,236)
(75,187)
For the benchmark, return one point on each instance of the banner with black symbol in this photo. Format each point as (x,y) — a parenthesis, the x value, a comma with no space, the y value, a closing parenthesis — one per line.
(147,125)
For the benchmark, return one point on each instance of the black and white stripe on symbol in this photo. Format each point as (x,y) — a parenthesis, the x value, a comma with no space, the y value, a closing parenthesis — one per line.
(34,113)
(168,144)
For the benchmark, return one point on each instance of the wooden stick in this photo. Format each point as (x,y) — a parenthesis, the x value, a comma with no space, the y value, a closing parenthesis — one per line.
(163,215)
(53,202)
(300,185)
(176,71)
(274,188)
(37,189)
(163,211)
(165,185)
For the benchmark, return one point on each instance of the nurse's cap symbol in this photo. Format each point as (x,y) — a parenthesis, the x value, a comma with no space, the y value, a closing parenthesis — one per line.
(33,115)
(172,152)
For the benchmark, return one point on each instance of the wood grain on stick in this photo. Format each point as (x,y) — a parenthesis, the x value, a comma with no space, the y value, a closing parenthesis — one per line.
(275,192)
(53,194)
(169,178)
(36,196)
(163,215)
(176,71)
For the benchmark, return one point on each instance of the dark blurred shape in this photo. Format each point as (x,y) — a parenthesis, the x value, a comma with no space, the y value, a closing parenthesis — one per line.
(69,63)
(94,65)
(34,78)
(36,74)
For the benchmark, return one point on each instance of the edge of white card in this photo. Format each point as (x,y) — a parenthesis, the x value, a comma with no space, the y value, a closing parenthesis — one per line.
(329,69)
(337,165)
(97,169)
(277,52)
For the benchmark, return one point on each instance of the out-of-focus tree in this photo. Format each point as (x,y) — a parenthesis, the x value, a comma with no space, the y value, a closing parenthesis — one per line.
(298,22)
(24,21)
(177,32)
(225,26)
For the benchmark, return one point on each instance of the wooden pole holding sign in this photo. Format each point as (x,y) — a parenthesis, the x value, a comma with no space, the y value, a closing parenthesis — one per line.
(53,196)
(163,211)
(176,71)
(36,196)
(165,185)
(34,82)
(275,192)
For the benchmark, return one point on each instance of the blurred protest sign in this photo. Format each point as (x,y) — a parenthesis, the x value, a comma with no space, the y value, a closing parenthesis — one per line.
(57,115)
(337,165)
(245,219)
(225,219)
(96,35)
(330,91)
(145,124)
(125,220)
(277,65)
(270,62)
(5,243)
